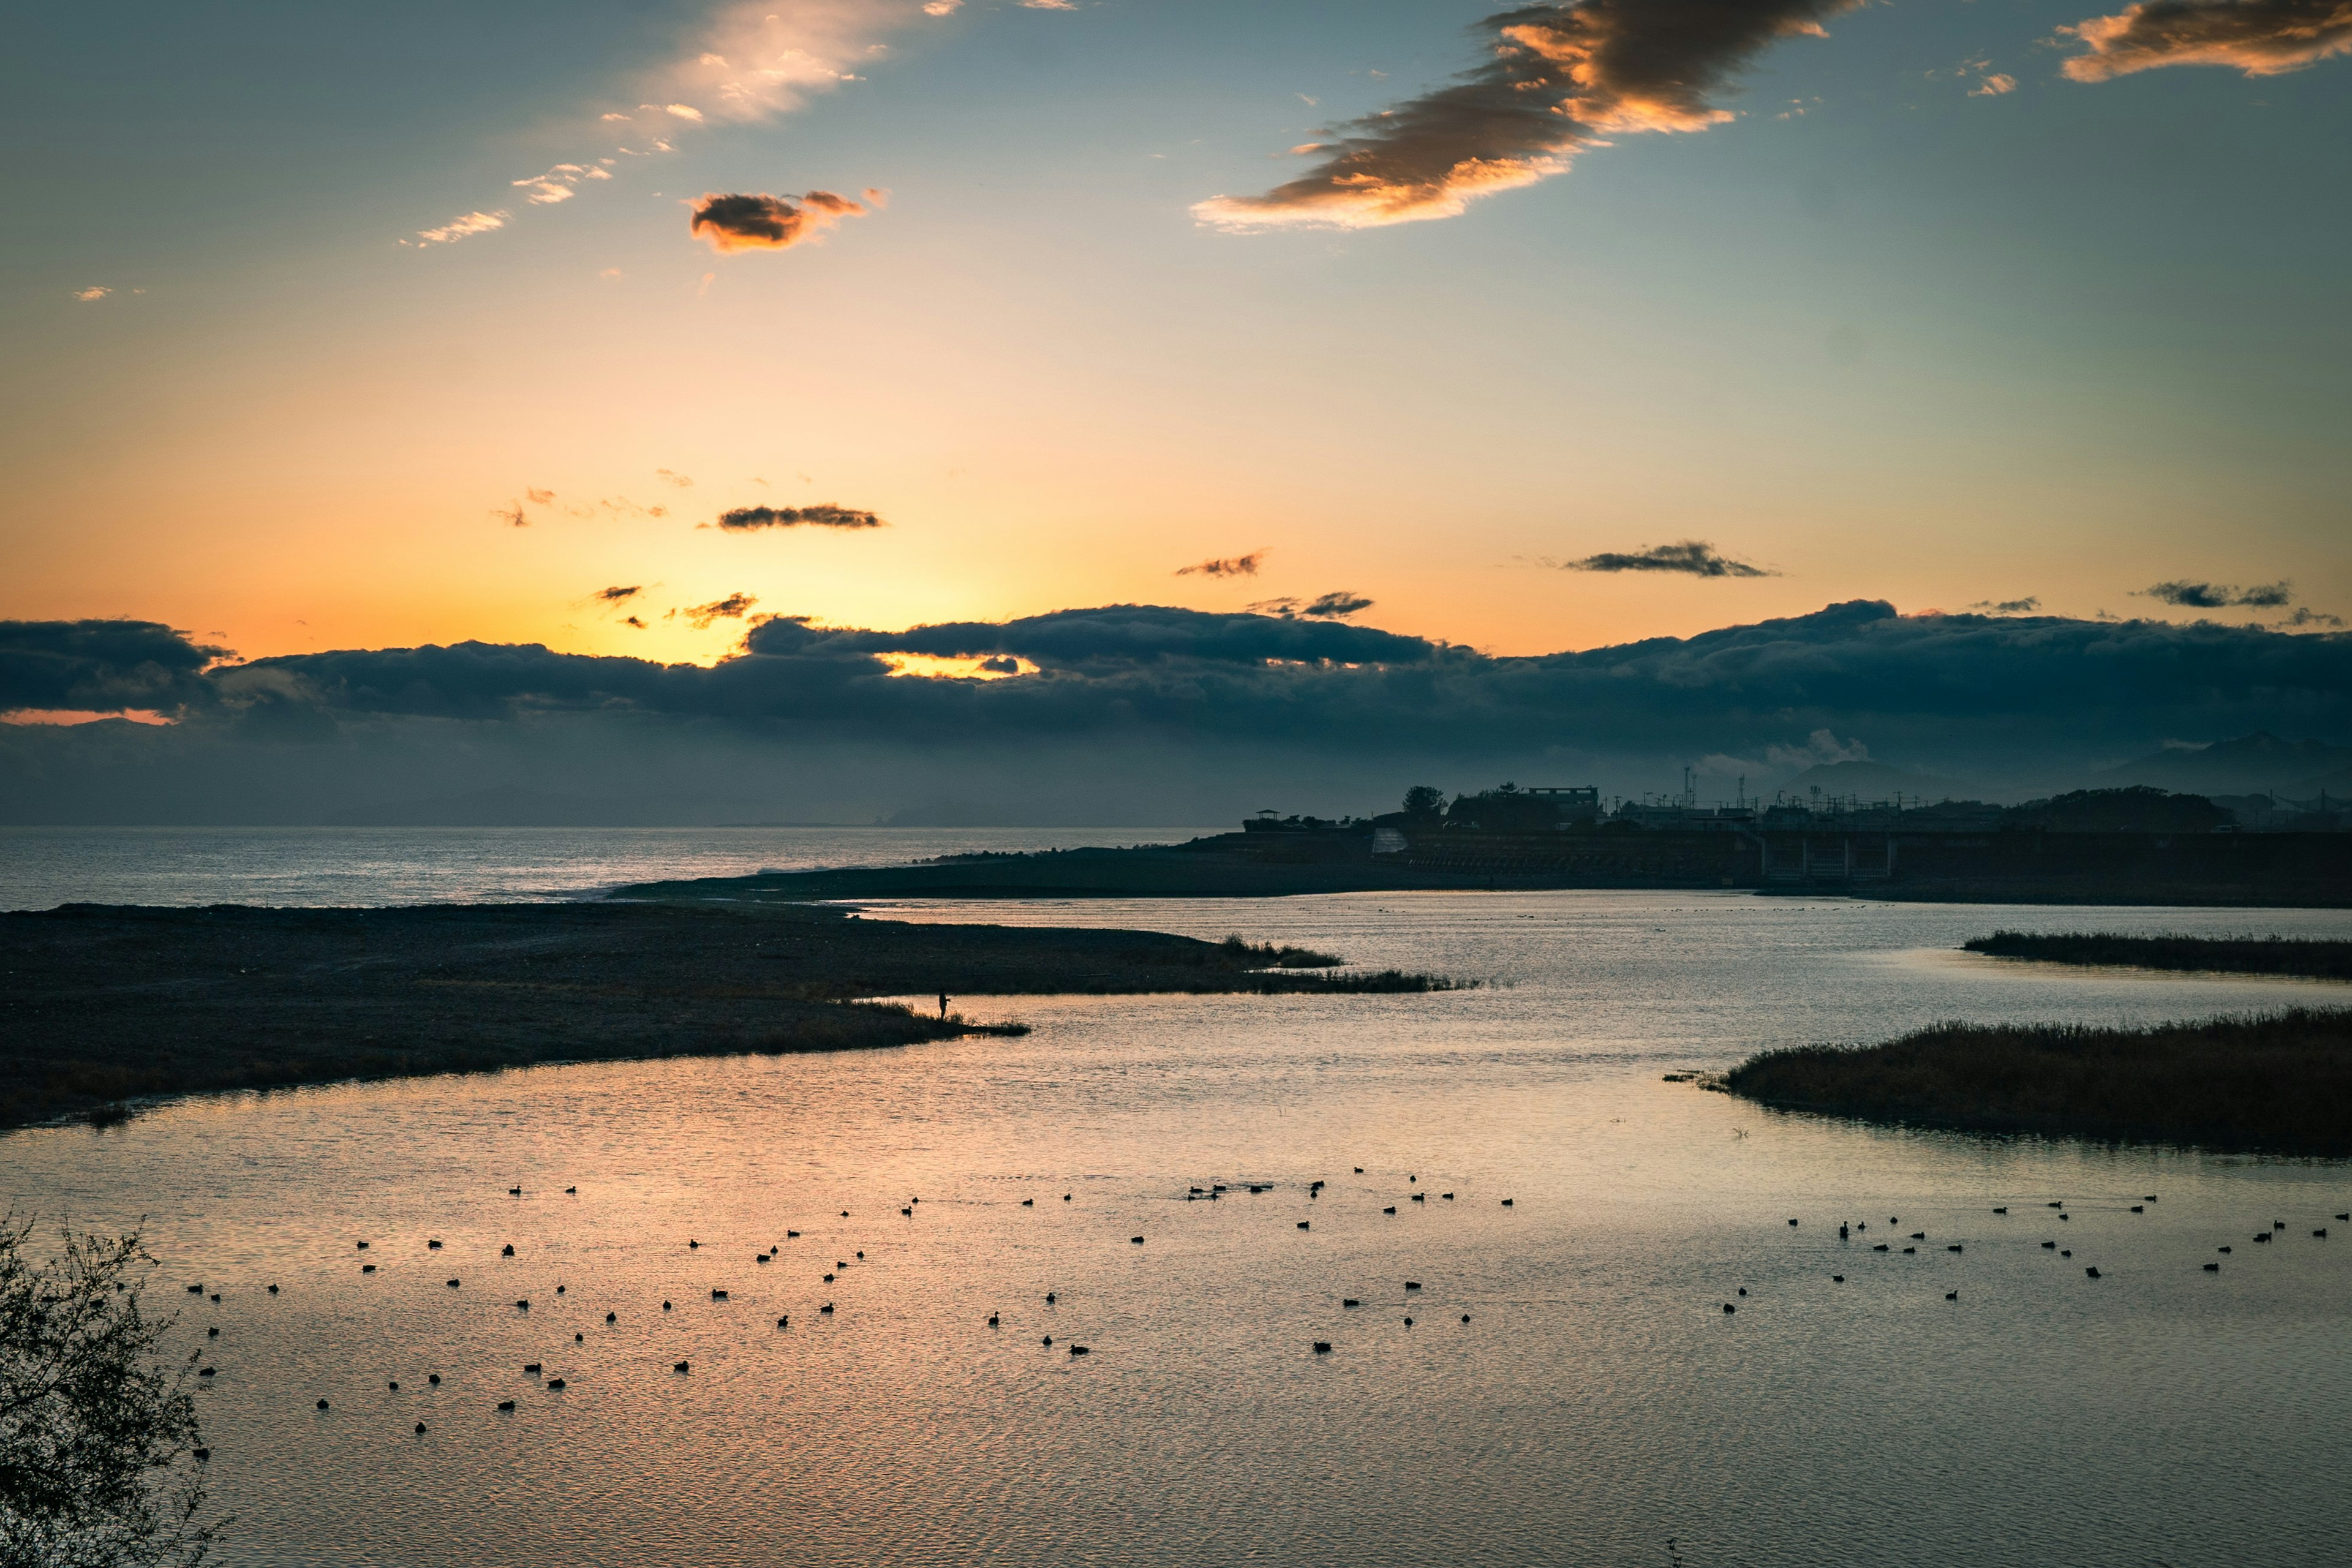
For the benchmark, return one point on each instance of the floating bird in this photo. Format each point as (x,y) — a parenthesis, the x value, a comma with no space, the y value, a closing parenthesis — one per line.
(394,1386)
(665,1306)
(2093,1273)
(1743,1289)
(432,1246)
(505,1405)
(2220,1249)
(1138,1241)
(1407,1322)
(2212,1269)
(1729,1308)
(1837,1278)
(507,1251)
(570,1190)
(1349,1301)
(1951,1295)
(367,1267)
(1049,1342)
(1413,1284)
(553,1384)
(1078,1349)
(1447,1196)
(1880,1247)
(516,1191)
(692,1243)
(2139,1208)
(1954,1247)
(273,1289)
(1359,1170)
(434,1378)
(1466,1317)
(1918,1235)
(2065,1252)
(826,1308)
(1421,1197)
(2049,1246)
(828,1279)
(2001,1211)
(907,1211)
(322,1404)
(1792,1222)
(362,1247)
(1049,1297)
(523,1303)
(785,1321)
(1910,1250)
(681,1366)
(212,1334)
(195,1289)
(208,1371)
(1302,1225)
(1391,1209)
(215,1295)
(718,1295)
(1322,1347)
(845,1213)
(2321,1233)
(792,1234)
(1842,1233)
(207,1453)
(1506,1203)
(420,1428)
(611,1317)
(1892,1220)
(453,1285)
(1066,1198)
(559,1290)
(530,1366)
(992,1320)
(578,1338)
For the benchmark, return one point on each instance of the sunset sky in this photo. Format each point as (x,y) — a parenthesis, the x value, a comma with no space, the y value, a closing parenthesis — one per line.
(1950,304)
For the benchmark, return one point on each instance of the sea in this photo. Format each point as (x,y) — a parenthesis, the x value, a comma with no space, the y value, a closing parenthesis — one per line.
(1456,1278)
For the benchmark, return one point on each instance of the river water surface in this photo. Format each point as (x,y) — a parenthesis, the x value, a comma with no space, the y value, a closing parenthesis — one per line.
(1598,1406)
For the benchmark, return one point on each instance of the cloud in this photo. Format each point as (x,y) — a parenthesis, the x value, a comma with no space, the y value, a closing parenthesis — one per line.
(941,7)
(538,498)
(823,514)
(101,666)
(2008,606)
(2305,616)
(618,595)
(93,294)
(1003,664)
(1559,77)
(732,223)
(734,606)
(1994,86)
(2195,596)
(1140,708)
(670,476)
(1691,557)
(462,228)
(1230,567)
(511,514)
(633,621)
(2260,38)
(1336,605)
(688,111)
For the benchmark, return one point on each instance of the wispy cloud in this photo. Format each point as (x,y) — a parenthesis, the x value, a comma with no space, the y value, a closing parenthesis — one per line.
(1230,567)
(619,595)
(2260,38)
(823,514)
(671,476)
(1559,77)
(461,227)
(1993,86)
(1691,558)
(2195,596)
(732,223)
(1326,606)
(2008,606)
(734,607)
(511,514)
(93,294)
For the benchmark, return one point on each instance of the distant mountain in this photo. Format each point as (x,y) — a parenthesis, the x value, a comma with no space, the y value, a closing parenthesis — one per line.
(1876,780)
(2251,764)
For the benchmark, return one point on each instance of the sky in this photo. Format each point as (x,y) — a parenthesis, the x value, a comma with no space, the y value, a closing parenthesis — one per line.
(613,327)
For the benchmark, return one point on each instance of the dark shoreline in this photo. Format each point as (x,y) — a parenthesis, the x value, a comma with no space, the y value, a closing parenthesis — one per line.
(105,1004)
(2277,1083)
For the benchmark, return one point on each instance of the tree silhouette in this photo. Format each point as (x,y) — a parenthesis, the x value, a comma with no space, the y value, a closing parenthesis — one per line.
(98,1466)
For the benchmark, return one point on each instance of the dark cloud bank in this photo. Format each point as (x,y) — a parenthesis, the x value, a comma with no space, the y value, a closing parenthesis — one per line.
(1129,714)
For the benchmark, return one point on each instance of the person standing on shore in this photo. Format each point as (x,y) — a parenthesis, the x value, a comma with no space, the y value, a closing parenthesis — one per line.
(943,1004)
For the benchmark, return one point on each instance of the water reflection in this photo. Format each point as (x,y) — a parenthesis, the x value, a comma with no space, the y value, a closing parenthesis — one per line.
(1598,1401)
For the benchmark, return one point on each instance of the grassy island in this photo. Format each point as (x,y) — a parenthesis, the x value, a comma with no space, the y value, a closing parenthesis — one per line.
(102,1005)
(2235,955)
(2279,1083)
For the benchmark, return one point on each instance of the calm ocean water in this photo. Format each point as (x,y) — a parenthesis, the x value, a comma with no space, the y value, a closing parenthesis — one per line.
(1598,1407)
(41,867)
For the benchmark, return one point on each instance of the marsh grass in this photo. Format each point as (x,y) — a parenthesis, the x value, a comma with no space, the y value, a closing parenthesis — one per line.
(2306,956)
(2273,1082)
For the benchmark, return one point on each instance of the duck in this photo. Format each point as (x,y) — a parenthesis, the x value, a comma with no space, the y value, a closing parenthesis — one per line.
(611,1317)
(785,1321)
(507,1251)
(505,1405)
(434,1378)
(1322,1347)
(1302,1225)
(681,1366)
(1349,1301)
(553,1384)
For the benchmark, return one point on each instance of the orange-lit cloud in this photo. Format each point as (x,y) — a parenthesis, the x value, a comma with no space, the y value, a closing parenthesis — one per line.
(461,227)
(738,222)
(1690,558)
(1231,566)
(1560,77)
(93,294)
(2260,38)
(734,607)
(1994,86)
(823,514)
(1336,605)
